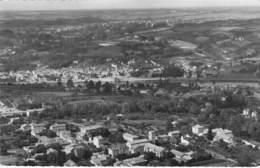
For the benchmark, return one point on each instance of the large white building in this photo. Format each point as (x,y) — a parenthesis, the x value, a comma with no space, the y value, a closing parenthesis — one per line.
(25,127)
(225,135)
(118,149)
(98,141)
(157,150)
(89,128)
(152,136)
(199,130)
(129,137)
(66,136)
(182,156)
(37,128)
(137,145)
(99,159)
(58,127)
(137,161)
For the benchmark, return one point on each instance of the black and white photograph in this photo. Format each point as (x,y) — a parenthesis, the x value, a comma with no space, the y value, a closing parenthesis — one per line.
(122,83)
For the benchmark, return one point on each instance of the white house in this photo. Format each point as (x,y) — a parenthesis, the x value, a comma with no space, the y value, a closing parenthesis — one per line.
(118,149)
(130,137)
(137,145)
(66,136)
(185,140)
(99,159)
(199,130)
(37,128)
(137,161)
(58,127)
(182,156)
(157,150)
(98,141)
(151,135)
(25,127)
(225,135)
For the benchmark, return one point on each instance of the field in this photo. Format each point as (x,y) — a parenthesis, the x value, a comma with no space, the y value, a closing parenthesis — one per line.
(8,160)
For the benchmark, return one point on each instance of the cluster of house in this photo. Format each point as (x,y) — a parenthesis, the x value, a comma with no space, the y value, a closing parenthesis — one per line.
(219,134)
(249,113)
(44,74)
(133,143)
(47,75)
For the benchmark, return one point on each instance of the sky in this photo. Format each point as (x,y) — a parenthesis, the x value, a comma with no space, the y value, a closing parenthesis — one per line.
(118,4)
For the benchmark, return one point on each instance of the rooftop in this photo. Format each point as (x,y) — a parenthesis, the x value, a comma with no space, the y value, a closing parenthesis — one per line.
(157,148)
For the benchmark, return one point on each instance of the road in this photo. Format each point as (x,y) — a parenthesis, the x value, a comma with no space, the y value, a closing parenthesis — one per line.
(170,80)
(20,112)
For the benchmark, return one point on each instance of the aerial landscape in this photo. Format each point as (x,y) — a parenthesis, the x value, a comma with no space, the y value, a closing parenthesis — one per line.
(130,87)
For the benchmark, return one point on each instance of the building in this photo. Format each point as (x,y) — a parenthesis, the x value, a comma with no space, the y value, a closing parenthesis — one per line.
(225,135)
(199,130)
(175,136)
(163,138)
(129,137)
(68,148)
(53,154)
(16,151)
(254,115)
(99,159)
(137,161)
(69,163)
(118,149)
(98,141)
(37,128)
(137,145)
(152,136)
(185,140)
(157,150)
(87,129)
(253,144)
(182,156)
(28,149)
(51,150)
(12,120)
(246,112)
(25,127)
(66,136)
(58,127)
(250,114)
(174,124)
(43,140)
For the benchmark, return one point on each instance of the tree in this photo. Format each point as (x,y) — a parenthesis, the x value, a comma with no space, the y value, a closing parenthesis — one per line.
(59,83)
(149,156)
(39,149)
(169,126)
(55,146)
(107,87)
(243,159)
(86,83)
(209,134)
(173,71)
(254,131)
(82,153)
(70,83)
(236,123)
(91,85)
(98,86)
(3,148)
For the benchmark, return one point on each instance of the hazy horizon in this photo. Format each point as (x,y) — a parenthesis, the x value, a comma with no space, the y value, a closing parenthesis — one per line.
(20,5)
